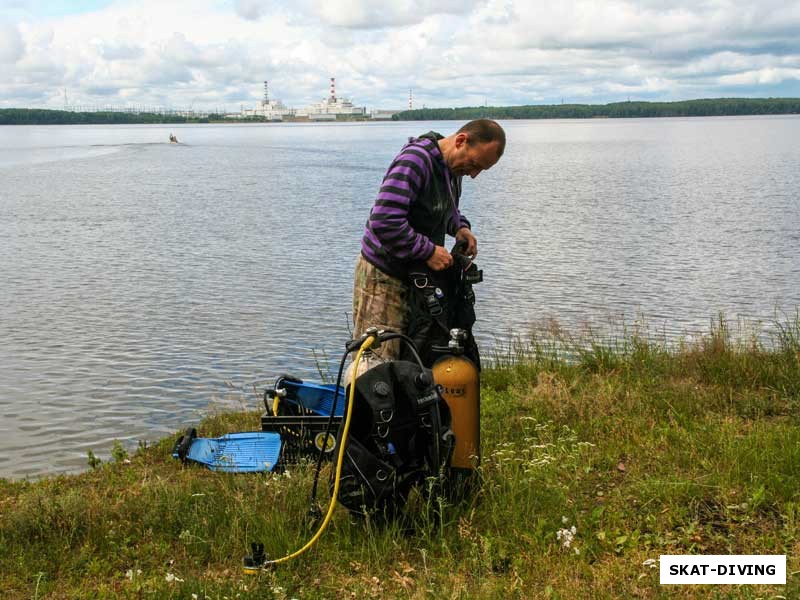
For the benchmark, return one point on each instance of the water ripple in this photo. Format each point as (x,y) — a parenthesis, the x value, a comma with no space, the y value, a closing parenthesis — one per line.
(141,286)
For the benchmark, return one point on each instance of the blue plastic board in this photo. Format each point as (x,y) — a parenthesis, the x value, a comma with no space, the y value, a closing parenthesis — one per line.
(248,452)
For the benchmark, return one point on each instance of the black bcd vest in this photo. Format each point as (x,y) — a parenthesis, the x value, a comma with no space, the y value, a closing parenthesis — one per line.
(440,301)
(399,436)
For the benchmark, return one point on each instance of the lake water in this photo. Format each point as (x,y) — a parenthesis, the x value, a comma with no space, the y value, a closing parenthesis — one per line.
(141,281)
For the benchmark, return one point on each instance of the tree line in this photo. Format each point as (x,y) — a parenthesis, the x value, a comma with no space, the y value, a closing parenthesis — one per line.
(712,107)
(36,116)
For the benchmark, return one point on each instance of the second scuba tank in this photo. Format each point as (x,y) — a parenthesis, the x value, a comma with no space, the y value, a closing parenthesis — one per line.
(460,383)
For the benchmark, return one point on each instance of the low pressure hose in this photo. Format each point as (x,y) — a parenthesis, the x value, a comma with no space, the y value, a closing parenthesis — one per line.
(257,563)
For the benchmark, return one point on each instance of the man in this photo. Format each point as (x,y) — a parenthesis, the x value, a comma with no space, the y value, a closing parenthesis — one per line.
(417,206)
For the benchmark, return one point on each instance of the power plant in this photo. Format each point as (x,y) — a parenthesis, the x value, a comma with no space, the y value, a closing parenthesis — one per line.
(331,108)
(271,110)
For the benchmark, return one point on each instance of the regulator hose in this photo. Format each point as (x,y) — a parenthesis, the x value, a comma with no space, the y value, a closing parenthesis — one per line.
(366,344)
(313,498)
(382,336)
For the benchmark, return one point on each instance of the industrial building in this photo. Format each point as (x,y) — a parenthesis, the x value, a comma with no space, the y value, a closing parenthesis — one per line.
(271,110)
(328,109)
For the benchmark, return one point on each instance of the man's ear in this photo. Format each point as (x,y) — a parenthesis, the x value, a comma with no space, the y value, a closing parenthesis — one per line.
(461,139)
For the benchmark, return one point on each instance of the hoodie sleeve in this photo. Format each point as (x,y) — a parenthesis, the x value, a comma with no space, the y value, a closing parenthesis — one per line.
(388,225)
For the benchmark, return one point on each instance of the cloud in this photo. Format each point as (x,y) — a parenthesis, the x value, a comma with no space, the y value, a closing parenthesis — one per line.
(451,52)
(98,90)
(766,76)
(251,10)
(112,51)
(367,14)
(180,50)
(12,48)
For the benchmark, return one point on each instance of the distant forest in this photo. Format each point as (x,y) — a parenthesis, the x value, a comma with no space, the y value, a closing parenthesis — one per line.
(713,107)
(35,116)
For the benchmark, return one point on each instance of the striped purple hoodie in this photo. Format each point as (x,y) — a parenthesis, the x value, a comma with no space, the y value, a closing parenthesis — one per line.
(417,191)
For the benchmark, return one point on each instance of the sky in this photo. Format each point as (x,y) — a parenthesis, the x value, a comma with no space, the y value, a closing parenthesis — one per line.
(216,54)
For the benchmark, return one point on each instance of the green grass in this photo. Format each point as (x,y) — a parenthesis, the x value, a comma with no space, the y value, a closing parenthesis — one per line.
(645,448)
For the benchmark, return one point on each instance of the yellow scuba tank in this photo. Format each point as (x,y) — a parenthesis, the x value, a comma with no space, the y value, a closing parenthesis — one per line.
(460,383)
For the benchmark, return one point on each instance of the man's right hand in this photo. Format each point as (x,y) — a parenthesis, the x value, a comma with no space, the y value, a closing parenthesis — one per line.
(440,259)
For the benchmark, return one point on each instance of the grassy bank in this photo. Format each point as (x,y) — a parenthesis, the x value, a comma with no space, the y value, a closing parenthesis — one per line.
(643,449)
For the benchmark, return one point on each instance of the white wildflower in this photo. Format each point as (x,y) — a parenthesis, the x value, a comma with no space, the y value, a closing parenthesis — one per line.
(651,562)
(564,520)
(129,574)
(171,577)
(194,596)
(565,536)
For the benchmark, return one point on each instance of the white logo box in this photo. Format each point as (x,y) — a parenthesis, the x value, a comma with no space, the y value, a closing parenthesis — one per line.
(736,569)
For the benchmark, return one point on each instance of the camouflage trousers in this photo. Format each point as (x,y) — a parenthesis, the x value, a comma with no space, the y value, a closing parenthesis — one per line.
(381,301)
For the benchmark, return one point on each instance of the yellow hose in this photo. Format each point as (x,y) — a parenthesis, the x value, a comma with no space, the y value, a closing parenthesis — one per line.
(364,347)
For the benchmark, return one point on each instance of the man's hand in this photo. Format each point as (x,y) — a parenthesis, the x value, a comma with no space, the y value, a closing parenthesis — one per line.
(472,244)
(440,259)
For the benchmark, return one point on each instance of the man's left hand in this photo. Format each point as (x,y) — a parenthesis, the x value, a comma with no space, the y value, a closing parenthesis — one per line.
(472,244)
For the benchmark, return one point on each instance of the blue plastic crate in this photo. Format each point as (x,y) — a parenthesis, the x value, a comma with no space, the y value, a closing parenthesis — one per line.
(311,398)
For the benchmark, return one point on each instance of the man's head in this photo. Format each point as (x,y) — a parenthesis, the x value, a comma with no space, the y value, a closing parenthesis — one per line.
(476,147)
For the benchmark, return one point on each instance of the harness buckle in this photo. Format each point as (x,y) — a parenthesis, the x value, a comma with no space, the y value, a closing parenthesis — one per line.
(434,306)
(428,399)
(473,276)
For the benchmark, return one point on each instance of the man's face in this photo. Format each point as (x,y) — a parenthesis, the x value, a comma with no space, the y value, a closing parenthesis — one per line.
(471,159)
